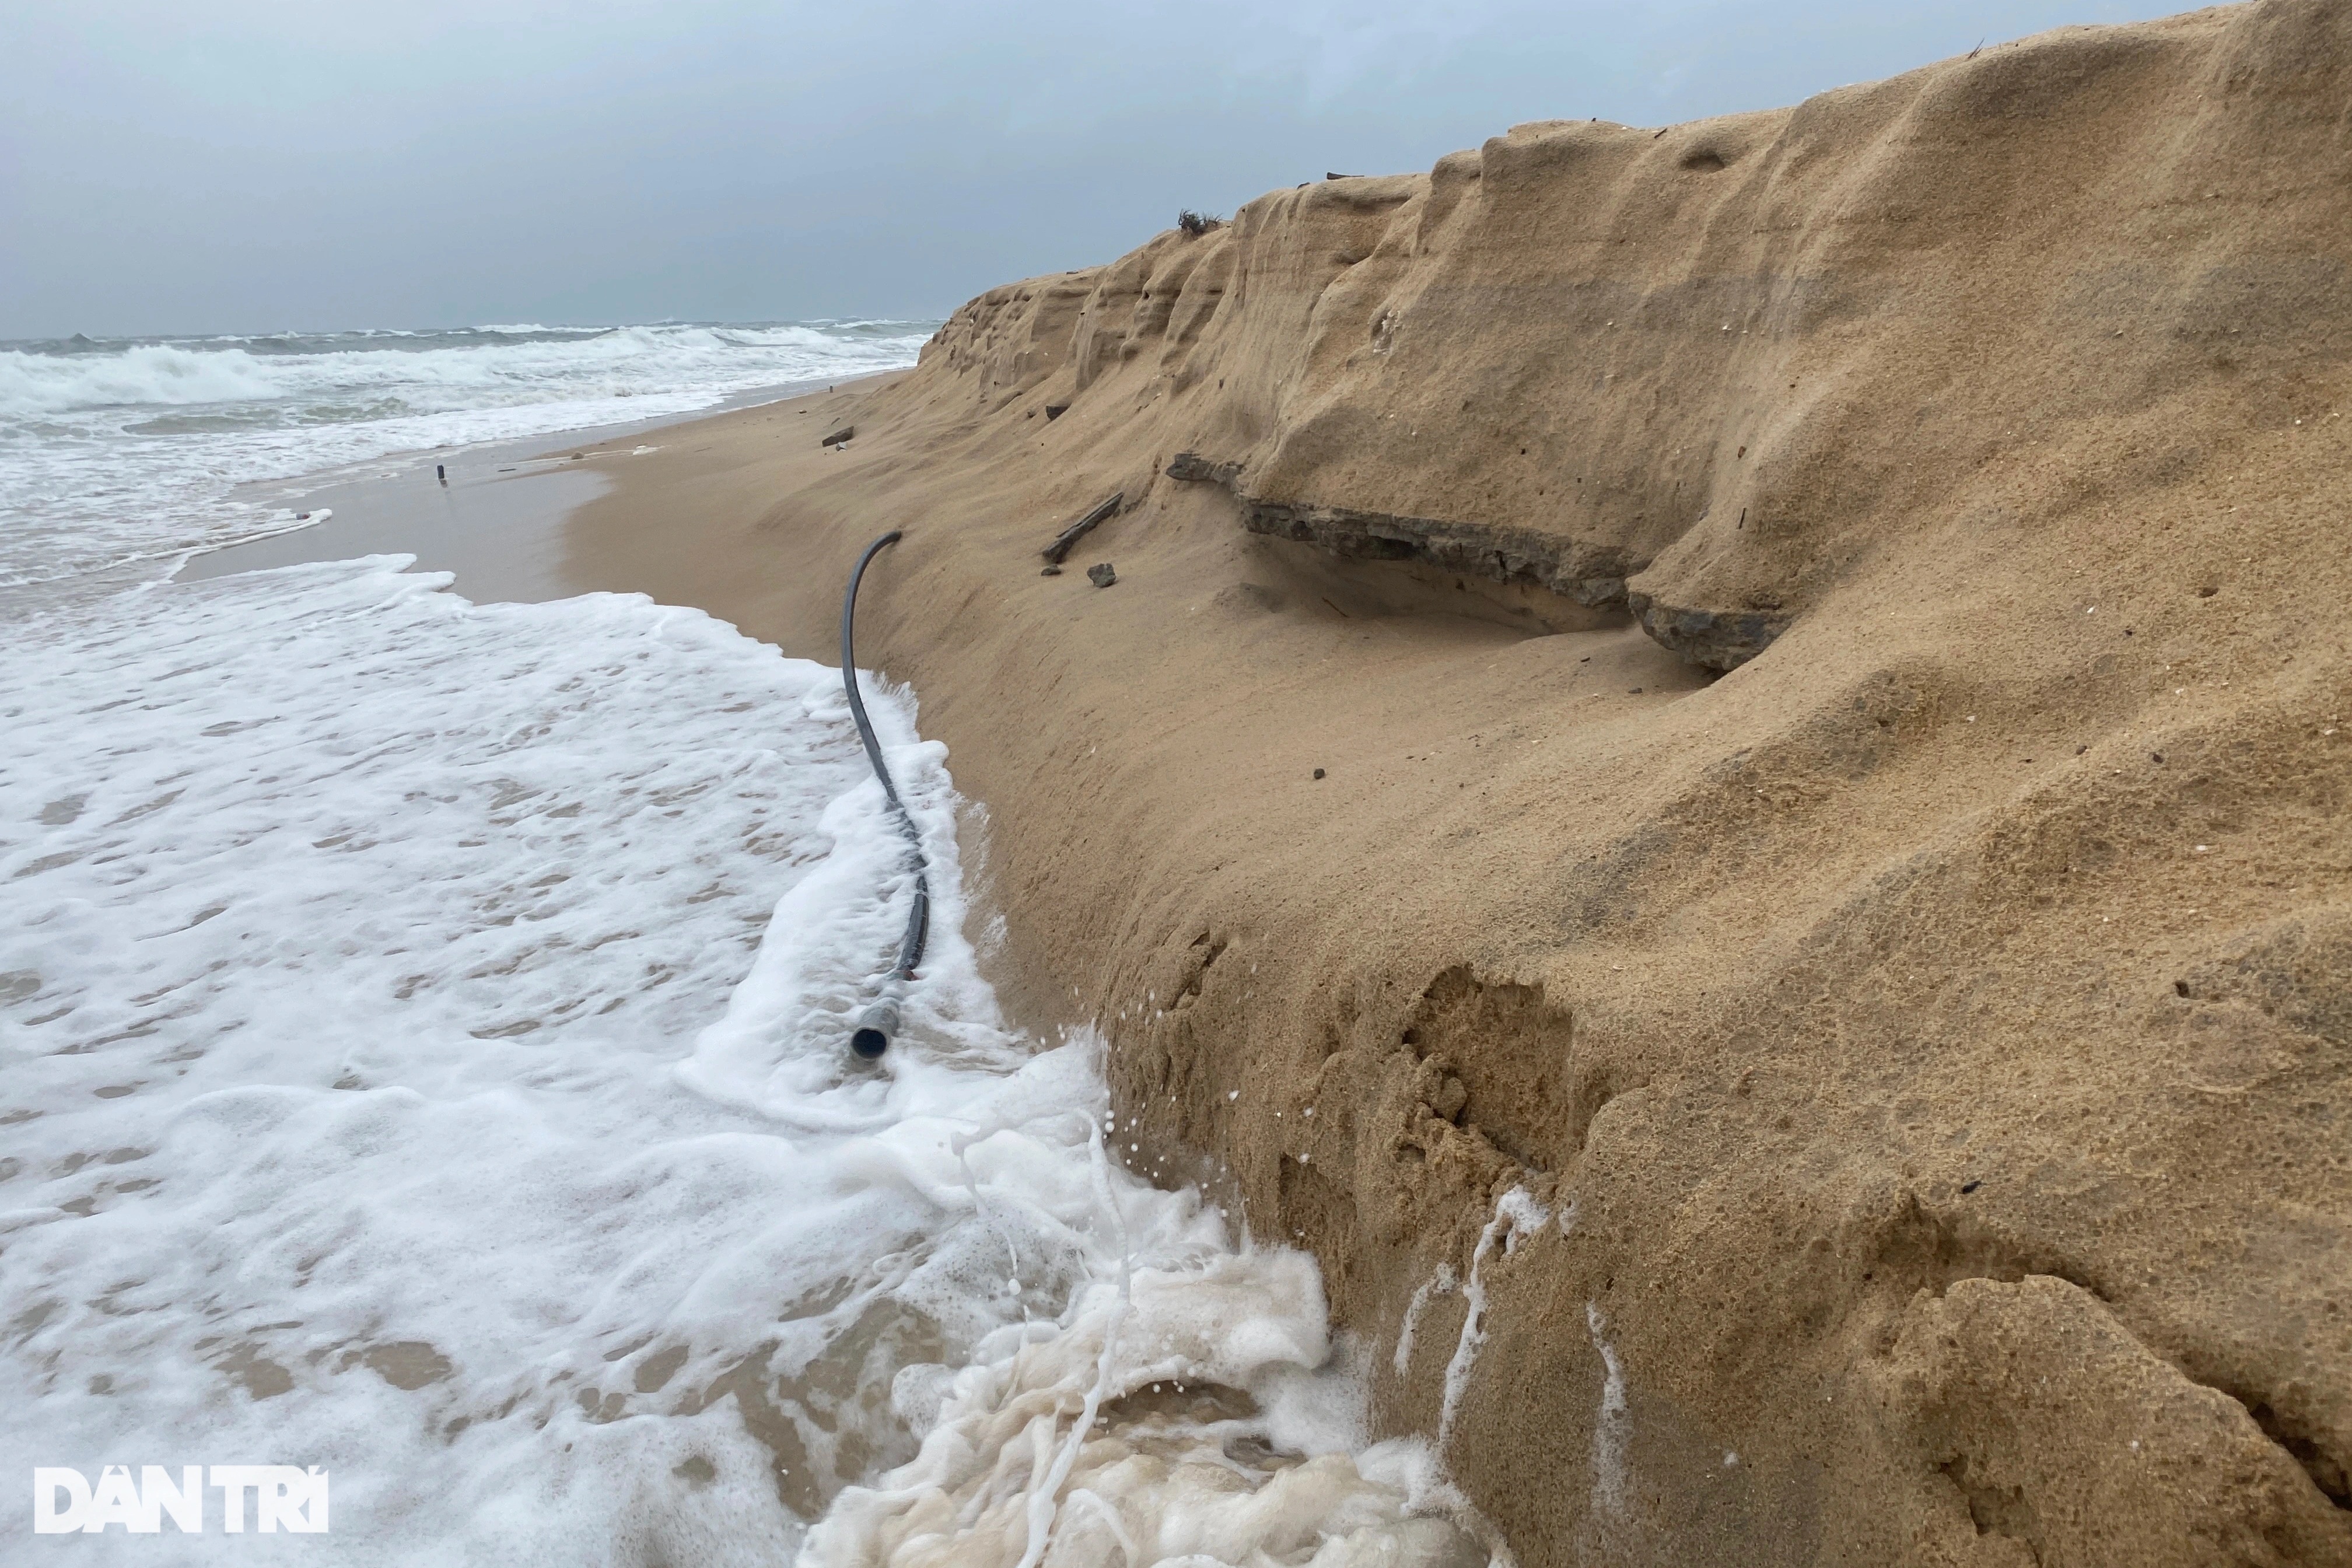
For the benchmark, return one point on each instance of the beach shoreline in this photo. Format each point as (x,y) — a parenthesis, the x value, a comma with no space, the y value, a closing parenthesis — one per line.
(666,832)
(1846,913)
(496,522)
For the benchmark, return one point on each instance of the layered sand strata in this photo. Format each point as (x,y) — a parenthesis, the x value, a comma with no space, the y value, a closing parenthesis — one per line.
(1778,686)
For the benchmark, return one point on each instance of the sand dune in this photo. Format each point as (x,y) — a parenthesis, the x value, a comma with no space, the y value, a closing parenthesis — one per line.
(1781,684)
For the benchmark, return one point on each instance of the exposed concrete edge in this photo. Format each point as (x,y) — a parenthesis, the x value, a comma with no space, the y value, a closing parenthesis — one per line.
(1719,640)
(1593,576)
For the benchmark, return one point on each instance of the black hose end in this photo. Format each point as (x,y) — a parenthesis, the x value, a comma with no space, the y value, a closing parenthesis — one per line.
(870,1043)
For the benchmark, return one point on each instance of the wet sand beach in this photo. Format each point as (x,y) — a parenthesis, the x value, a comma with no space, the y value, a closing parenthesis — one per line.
(497,521)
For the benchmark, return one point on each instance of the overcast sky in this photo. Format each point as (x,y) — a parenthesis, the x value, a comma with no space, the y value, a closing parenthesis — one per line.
(240,166)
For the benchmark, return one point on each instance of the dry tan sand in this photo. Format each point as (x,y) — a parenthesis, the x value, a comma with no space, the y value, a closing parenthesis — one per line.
(1936,1031)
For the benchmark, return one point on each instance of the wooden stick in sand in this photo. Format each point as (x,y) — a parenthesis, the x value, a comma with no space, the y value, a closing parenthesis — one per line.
(1077,530)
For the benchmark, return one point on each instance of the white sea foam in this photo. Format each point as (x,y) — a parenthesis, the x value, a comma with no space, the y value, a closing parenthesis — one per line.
(111,452)
(341,368)
(1518,1216)
(421,1025)
(1611,1423)
(154,374)
(1441,1283)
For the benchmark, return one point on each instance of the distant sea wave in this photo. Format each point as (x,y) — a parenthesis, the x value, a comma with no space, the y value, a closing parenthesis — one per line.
(119,449)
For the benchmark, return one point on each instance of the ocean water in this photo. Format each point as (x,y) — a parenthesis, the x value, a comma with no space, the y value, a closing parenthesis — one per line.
(129,450)
(422,1058)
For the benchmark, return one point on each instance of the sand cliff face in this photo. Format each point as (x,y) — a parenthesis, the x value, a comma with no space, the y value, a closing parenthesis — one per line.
(1923,1054)
(1706,369)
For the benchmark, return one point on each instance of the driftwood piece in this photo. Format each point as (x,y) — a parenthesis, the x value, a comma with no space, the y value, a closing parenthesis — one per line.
(1077,530)
(839,437)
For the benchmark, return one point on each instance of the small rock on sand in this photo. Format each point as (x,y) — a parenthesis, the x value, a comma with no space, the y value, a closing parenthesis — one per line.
(1101,574)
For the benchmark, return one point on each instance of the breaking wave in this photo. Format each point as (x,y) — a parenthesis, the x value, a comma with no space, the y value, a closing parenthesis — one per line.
(118,450)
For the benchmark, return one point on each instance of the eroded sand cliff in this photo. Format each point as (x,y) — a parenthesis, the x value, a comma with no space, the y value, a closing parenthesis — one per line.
(1824,634)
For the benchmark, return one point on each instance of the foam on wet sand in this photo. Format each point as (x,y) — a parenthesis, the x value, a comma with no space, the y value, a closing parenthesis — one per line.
(423,1036)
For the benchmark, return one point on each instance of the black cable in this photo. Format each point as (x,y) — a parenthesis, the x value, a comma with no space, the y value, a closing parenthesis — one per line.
(880,1021)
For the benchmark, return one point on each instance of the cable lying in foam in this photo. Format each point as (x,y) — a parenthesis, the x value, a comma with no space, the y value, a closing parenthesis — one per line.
(879,1023)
